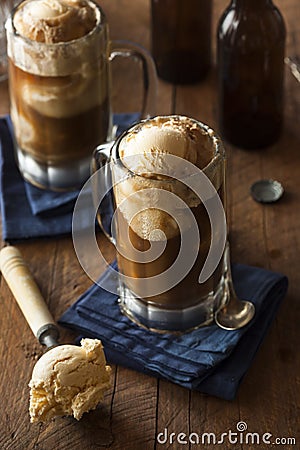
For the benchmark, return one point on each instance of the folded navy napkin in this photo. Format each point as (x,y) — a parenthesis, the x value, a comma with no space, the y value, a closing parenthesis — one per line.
(30,212)
(209,359)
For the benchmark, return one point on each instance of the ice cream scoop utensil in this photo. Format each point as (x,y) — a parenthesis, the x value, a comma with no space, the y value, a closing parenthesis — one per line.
(28,296)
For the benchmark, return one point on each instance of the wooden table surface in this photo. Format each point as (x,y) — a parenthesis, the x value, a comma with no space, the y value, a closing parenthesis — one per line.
(138,407)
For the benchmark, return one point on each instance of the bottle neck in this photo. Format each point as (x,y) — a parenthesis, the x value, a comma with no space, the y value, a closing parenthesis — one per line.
(251,3)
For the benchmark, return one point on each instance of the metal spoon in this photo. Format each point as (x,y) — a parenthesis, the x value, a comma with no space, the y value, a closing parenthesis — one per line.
(235,313)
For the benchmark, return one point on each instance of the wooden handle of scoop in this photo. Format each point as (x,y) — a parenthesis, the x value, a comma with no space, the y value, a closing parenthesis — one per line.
(25,289)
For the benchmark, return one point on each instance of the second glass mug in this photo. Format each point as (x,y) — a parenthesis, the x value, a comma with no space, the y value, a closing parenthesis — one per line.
(61,101)
(161,290)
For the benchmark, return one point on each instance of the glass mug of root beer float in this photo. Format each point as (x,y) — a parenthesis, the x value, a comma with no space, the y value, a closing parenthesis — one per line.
(165,177)
(60,88)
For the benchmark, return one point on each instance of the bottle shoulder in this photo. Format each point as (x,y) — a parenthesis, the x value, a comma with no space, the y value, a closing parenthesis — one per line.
(249,29)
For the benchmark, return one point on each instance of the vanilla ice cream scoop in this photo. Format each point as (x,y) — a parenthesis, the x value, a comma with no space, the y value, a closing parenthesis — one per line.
(143,150)
(53,21)
(67,379)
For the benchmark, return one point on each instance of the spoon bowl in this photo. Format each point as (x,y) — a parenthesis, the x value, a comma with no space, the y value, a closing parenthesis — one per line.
(235,313)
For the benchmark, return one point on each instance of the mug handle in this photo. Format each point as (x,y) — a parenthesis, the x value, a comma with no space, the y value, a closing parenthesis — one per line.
(102,181)
(129,49)
(102,188)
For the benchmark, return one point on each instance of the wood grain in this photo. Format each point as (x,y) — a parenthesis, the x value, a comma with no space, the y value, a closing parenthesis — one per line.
(138,407)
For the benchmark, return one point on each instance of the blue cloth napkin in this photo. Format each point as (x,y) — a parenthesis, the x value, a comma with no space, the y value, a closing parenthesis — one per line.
(30,212)
(209,359)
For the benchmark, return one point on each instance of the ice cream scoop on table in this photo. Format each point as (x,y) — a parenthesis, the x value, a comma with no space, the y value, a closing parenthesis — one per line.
(67,379)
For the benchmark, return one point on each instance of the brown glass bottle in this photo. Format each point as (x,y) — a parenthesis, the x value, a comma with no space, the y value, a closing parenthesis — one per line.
(251,43)
(181,39)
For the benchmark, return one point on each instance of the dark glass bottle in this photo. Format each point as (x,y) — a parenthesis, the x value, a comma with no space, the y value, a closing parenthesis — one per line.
(181,39)
(251,43)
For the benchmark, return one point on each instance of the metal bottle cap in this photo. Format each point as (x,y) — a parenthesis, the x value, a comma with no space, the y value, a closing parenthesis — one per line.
(266,191)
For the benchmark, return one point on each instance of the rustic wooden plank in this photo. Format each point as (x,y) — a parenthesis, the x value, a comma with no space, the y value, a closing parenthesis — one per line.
(137,407)
(210,417)
(173,416)
(134,411)
(17,359)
